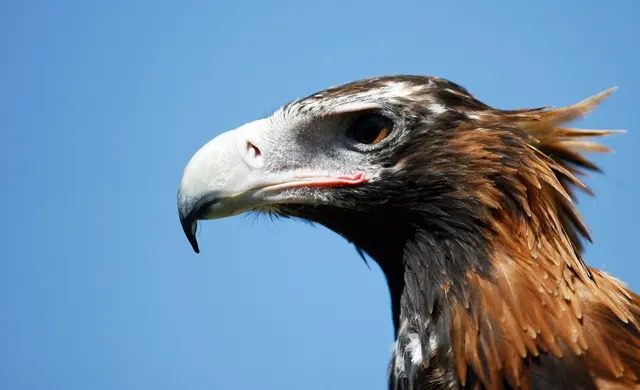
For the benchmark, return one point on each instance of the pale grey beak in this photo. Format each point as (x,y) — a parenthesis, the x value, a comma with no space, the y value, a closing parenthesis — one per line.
(229,175)
(225,168)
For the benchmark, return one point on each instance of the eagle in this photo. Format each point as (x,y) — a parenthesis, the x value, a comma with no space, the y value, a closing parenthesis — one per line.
(469,211)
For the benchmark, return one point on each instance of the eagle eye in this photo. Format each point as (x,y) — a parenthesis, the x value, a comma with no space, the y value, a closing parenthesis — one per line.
(370,128)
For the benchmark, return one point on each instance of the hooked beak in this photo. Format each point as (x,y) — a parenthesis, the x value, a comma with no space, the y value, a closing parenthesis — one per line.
(227,176)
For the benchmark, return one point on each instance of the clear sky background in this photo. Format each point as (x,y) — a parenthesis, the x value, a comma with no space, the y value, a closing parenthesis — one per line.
(103,103)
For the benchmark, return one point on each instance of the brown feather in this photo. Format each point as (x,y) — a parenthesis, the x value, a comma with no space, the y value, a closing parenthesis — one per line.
(542,297)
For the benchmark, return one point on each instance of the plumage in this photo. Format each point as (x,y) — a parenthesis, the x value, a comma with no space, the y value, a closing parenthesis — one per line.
(470,213)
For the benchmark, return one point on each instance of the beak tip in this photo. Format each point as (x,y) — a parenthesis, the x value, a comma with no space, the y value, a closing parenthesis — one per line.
(191,236)
(194,244)
(189,227)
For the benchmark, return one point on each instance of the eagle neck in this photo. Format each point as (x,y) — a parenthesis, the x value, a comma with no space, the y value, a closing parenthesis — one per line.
(434,265)
(426,268)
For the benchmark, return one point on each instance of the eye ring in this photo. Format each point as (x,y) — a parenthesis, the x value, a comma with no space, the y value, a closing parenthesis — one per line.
(370,128)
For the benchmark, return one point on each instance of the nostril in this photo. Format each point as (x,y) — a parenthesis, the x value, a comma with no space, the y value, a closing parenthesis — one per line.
(254,155)
(253,150)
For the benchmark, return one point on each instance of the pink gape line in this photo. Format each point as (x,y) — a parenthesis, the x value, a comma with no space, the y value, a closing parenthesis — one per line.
(322,182)
(344,180)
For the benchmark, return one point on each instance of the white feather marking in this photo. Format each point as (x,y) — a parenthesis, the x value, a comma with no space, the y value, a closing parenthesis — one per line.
(415,348)
(396,89)
(411,350)
(437,109)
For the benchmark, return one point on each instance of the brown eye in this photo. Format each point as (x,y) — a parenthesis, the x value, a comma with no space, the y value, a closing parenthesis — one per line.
(370,128)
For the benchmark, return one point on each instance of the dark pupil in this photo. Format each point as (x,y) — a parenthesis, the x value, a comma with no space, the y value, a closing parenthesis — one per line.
(368,128)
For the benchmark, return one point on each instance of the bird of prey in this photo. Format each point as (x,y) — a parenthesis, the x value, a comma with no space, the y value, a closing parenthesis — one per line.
(469,211)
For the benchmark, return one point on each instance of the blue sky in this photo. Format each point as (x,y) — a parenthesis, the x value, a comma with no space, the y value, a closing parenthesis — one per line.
(103,103)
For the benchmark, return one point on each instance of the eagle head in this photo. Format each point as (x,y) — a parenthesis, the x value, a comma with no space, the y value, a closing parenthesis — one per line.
(469,211)
(362,156)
